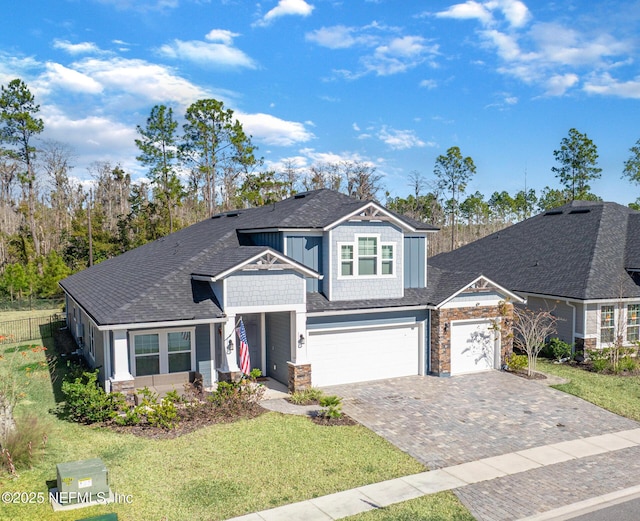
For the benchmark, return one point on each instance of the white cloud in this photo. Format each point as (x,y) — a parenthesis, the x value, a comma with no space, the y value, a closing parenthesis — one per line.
(550,55)
(428,84)
(76,48)
(605,85)
(400,139)
(337,37)
(220,52)
(58,76)
(221,35)
(399,55)
(274,131)
(150,82)
(286,8)
(514,12)
(470,10)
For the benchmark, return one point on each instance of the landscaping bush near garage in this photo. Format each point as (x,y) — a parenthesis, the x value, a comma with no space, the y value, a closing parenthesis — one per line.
(613,360)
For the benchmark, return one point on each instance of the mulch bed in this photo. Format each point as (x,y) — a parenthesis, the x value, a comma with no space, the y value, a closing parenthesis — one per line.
(534,376)
(187,423)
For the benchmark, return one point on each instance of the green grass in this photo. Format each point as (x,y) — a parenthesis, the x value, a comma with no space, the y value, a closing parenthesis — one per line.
(618,394)
(443,506)
(6,316)
(216,472)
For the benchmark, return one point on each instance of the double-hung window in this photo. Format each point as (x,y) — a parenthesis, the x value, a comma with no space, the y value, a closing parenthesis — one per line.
(147,354)
(367,256)
(159,352)
(607,324)
(633,323)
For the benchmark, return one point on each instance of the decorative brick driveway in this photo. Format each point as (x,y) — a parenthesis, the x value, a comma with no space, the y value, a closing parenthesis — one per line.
(447,421)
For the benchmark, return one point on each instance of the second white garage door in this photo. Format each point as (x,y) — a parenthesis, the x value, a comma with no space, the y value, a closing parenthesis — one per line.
(473,347)
(360,355)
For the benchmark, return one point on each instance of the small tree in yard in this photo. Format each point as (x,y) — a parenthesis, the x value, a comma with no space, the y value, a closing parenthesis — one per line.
(531,330)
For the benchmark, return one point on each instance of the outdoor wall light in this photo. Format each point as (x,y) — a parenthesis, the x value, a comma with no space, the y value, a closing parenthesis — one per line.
(446,327)
(230,346)
(301,341)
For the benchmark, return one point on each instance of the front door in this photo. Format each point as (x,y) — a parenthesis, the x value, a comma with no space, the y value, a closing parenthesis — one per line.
(278,335)
(254,338)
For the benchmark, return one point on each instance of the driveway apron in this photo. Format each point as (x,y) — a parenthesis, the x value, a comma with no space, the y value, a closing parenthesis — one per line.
(448,421)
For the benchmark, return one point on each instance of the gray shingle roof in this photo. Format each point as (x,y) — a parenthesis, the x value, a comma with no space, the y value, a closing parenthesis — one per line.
(153,282)
(579,251)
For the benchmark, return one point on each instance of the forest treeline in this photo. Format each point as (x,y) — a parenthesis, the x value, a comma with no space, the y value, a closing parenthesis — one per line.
(51,225)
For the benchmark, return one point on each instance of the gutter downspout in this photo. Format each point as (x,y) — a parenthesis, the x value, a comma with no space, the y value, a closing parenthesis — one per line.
(573,344)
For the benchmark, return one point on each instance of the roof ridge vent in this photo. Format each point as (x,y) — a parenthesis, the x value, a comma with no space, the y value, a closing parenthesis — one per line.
(300,196)
(232,214)
(580,210)
(553,212)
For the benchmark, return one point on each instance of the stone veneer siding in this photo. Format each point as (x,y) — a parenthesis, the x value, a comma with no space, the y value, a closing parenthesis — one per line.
(299,377)
(441,340)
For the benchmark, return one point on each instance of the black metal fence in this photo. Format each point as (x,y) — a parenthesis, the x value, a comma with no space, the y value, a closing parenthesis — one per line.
(33,328)
(30,304)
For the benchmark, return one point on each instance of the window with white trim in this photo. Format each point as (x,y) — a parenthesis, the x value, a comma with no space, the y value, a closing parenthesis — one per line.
(346,260)
(147,354)
(161,352)
(633,323)
(607,324)
(367,257)
(179,351)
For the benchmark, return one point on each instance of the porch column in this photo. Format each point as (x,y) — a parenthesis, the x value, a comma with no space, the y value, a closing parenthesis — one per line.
(122,381)
(300,339)
(120,348)
(299,367)
(228,369)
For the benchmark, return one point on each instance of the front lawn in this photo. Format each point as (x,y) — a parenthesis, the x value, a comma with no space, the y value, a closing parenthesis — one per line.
(618,394)
(443,506)
(216,472)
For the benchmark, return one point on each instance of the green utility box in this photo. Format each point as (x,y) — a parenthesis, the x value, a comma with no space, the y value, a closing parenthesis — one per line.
(82,481)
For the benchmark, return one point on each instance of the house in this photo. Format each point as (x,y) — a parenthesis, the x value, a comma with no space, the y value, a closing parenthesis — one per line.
(330,290)
(581,261)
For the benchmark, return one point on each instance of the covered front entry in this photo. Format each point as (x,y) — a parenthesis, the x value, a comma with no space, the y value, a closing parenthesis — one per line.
(269,337)
(358,355)
(474,347)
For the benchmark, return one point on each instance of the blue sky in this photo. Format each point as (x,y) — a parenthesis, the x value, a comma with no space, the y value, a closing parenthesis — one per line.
(394,83)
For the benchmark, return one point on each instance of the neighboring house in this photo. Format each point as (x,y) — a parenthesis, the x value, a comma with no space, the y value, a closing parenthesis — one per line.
(330,289)
(581,261)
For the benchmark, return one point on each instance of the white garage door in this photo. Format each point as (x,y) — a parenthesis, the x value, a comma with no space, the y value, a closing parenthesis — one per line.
(361,355)
(473,347)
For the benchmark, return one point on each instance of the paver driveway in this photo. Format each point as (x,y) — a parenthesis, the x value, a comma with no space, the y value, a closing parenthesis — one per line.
(447,421)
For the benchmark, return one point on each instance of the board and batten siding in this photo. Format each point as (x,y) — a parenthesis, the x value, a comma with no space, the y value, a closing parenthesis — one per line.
(307,250)
(269,239)
(415,259)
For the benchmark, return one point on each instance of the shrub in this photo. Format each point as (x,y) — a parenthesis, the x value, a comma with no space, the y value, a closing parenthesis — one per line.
(306,397)
(86,401)
(237,397)
(516,362)
(163,413)
(627,364)
(556,349)
(331,406)
(23,445)
(599,365)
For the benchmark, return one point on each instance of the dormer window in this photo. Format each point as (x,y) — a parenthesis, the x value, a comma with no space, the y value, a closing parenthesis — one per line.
(366,257)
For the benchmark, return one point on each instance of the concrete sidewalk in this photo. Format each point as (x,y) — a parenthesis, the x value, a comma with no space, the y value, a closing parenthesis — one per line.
(378,495)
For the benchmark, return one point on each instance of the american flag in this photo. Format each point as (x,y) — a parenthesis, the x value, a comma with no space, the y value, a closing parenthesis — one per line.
(245,362)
